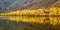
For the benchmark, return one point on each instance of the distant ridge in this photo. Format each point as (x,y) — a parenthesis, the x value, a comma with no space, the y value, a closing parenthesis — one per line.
(30,4)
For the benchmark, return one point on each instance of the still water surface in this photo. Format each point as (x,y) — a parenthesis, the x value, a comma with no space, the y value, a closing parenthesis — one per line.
(29,23)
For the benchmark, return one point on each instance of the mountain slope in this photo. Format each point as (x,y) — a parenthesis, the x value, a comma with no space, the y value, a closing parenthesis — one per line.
(13,5)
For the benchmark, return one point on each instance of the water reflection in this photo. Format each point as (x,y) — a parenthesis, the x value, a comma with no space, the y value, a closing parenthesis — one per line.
(41,20)
(25,18)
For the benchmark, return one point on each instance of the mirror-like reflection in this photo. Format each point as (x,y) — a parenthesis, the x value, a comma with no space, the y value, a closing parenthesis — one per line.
(25,19)
(29,23)
(54,20)
(41,20)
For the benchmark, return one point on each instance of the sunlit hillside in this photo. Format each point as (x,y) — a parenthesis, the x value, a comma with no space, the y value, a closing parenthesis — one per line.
(50,11)
(53,9)
(26,12)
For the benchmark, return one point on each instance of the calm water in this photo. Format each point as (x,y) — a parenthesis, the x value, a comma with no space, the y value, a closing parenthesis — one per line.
(29,23)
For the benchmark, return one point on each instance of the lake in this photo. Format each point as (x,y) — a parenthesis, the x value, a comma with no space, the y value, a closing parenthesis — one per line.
(29,23)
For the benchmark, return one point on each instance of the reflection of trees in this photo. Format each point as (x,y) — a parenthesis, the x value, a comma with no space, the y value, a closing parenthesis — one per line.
(29,23)
(14,25)
(54,20)
(40,20)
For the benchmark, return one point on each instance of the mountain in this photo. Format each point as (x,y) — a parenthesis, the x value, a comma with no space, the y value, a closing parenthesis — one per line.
(7,4)
(13,5)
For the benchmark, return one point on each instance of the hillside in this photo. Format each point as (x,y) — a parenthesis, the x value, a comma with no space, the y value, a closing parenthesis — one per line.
(50,11)
(13,5)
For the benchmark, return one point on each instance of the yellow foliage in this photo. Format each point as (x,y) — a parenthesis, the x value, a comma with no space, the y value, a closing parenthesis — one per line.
(26,19)
(59,19)
(53,20)
(41,20)
(53,11)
